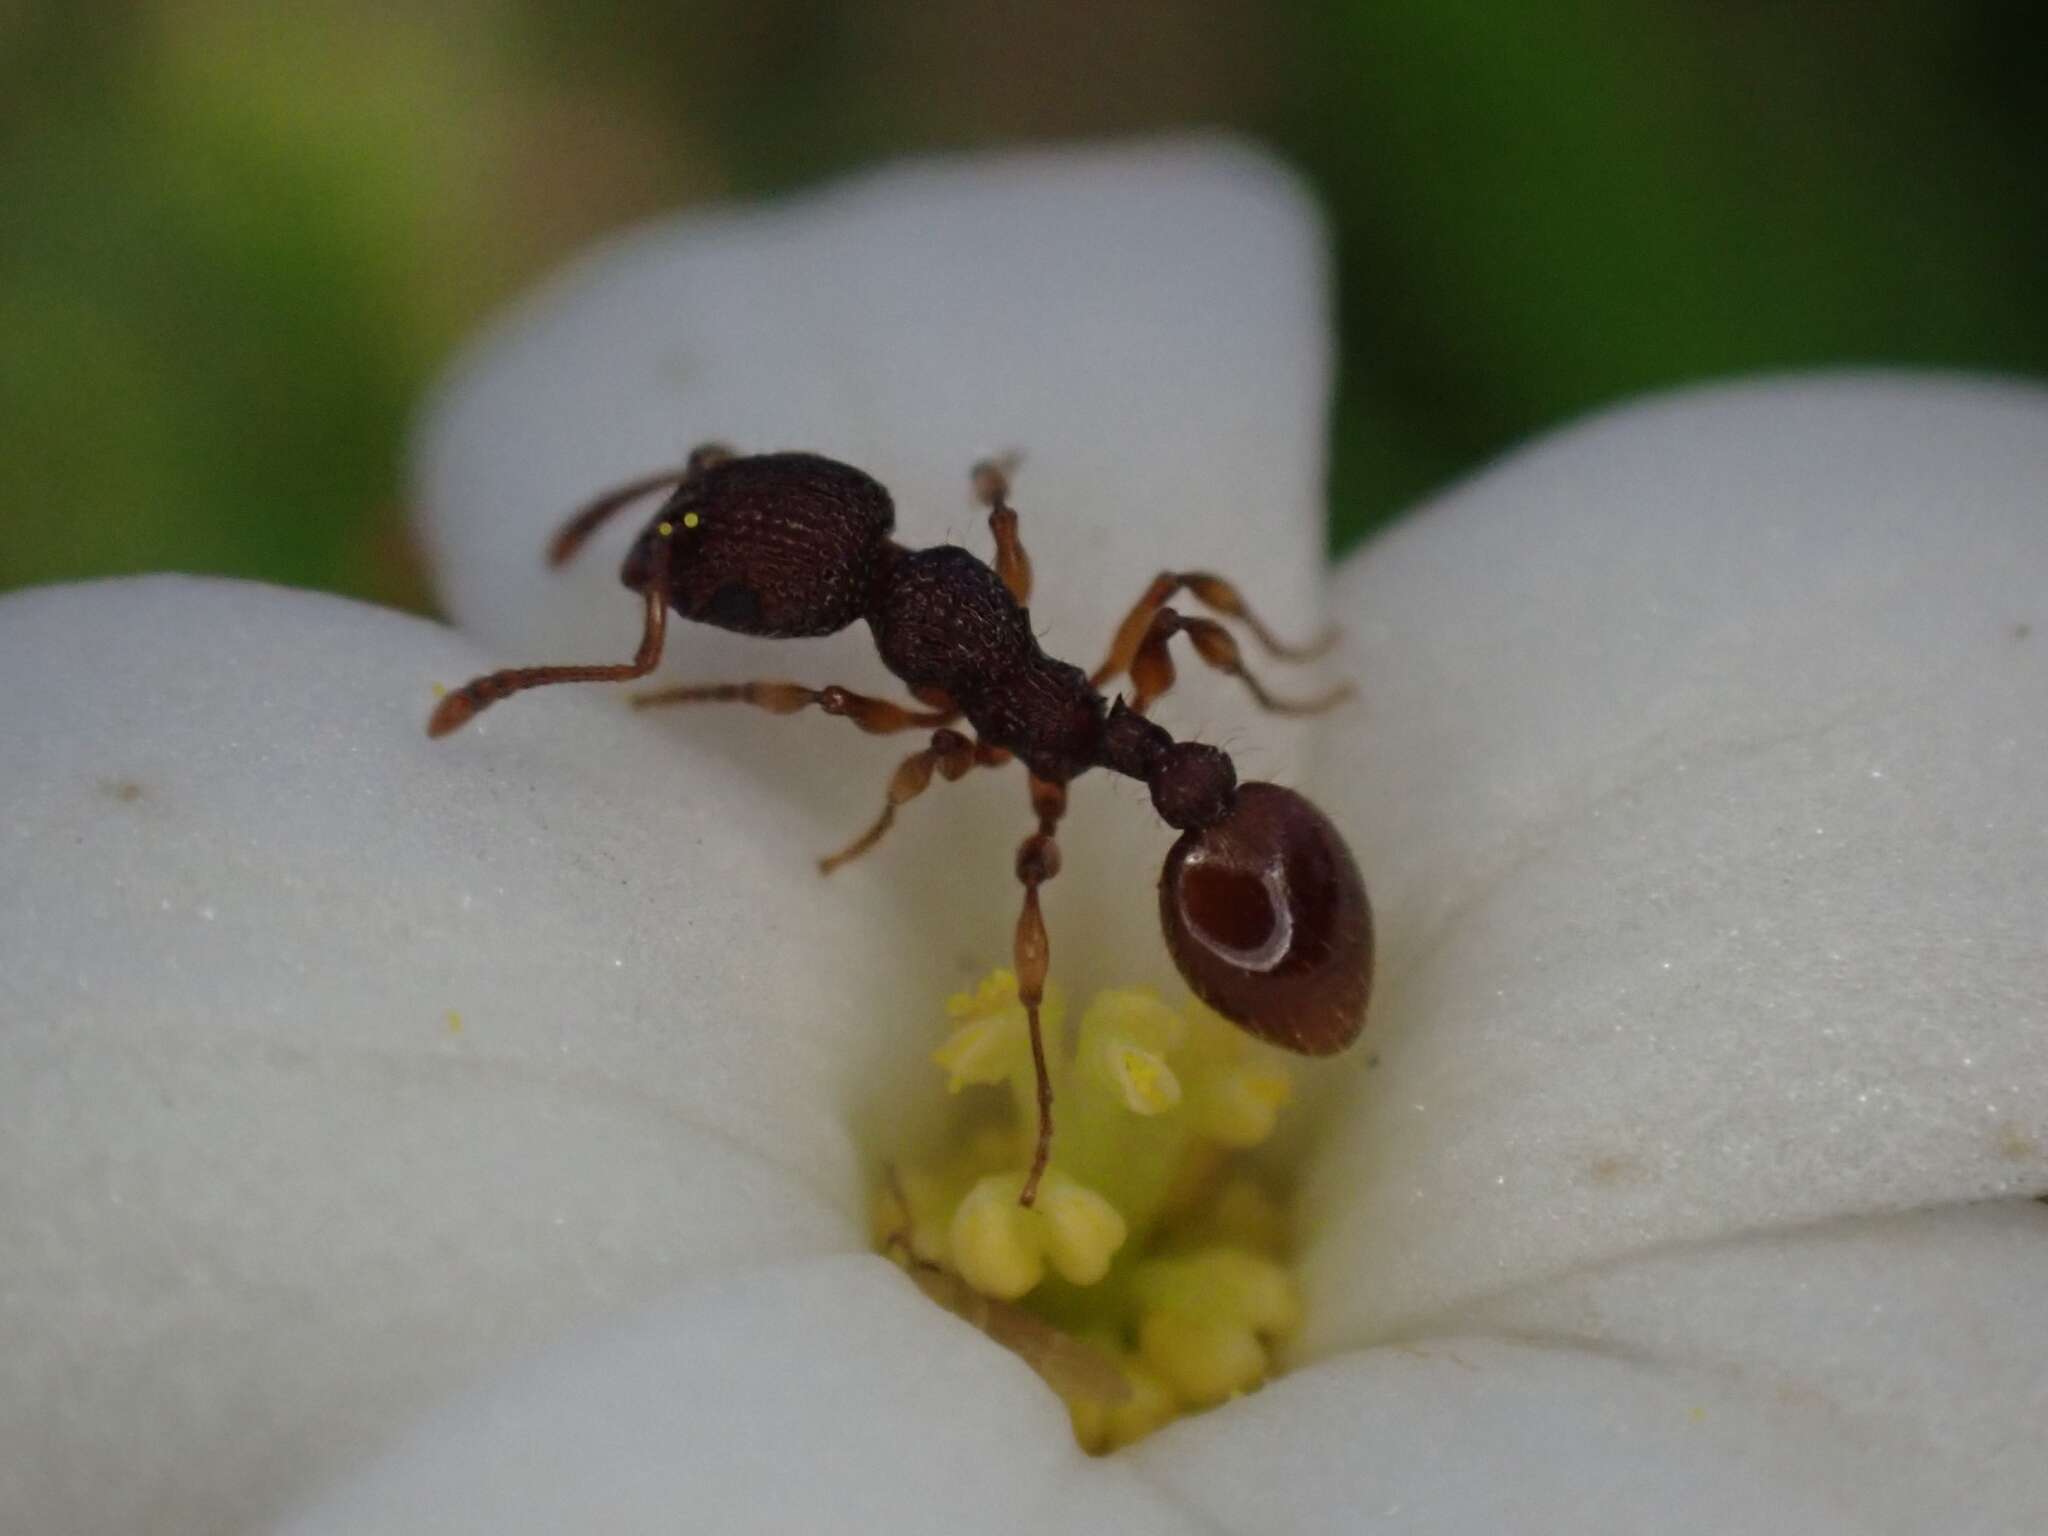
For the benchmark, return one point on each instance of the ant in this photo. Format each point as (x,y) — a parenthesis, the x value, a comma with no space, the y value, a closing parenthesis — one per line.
(1260,902)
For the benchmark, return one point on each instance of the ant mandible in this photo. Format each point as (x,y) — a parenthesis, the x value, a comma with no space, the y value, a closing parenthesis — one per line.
(1261,904)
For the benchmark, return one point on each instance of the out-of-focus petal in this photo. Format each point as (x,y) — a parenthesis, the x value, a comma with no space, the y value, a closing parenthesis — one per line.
(1700,789)
(827,1396)
(338,1065)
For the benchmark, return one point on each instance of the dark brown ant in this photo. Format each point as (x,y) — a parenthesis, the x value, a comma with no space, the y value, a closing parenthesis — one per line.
(1261,904)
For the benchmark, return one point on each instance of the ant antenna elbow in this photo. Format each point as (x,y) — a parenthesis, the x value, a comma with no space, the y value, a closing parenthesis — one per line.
(573,534)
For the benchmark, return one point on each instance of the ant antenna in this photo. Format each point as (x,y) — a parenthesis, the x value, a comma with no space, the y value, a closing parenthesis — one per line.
(573,534)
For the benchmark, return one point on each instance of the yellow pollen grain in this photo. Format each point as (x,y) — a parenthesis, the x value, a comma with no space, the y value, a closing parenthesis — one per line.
(983,1050)
(691,519)
(454,1022)
(1149,1085)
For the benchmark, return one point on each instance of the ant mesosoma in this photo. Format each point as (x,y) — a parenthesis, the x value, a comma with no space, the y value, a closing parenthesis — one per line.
(1262,907)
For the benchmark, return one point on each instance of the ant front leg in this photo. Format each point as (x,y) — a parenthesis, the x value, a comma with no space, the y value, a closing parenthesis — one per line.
(950,755)
(991,479)
(1152,673)
(1212,592)
(460,707)
(878,717)
(1038,860)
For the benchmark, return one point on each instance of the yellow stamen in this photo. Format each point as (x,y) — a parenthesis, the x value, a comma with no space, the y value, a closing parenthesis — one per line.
(982,1050)
(995,1242)
(1147,1263)
(1148,1084)
(1204,1363)
(1082,1230)
(991,1040)
(1238,1105)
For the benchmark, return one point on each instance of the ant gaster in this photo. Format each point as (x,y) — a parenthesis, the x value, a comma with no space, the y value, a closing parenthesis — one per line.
(1262,907)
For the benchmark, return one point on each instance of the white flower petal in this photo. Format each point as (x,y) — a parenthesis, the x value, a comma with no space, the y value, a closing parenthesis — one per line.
(338,1065)
(1700,790)
(1148,324)
(1885,1376)
(829,1396)
(1889,1375)
(1698,786)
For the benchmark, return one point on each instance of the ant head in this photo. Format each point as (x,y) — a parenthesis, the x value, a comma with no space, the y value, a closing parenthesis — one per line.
(777,544)
(639,570)
(1266,916)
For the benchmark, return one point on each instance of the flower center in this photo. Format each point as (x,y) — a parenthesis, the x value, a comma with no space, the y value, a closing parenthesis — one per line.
(1150,1279)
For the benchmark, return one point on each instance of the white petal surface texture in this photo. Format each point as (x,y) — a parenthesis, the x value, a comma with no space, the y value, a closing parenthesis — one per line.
(334,1070)
(1147,325)
(1599,1246)
(1866,1378)
(1697,780)
(829,1396)
(1700,788)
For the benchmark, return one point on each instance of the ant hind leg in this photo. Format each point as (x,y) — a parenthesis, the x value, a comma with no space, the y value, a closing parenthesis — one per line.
(1214,593)
(1038,860)
(1152,672)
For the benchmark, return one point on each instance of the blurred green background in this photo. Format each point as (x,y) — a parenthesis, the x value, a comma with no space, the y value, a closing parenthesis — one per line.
(237,239)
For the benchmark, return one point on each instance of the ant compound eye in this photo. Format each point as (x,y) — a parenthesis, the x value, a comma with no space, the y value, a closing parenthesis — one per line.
(1266,916)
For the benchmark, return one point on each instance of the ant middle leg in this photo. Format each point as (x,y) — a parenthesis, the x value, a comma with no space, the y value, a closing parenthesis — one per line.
(1038,860)
(1152,672)
(991,479)
(878,717)
(950,755)
(1212,592)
